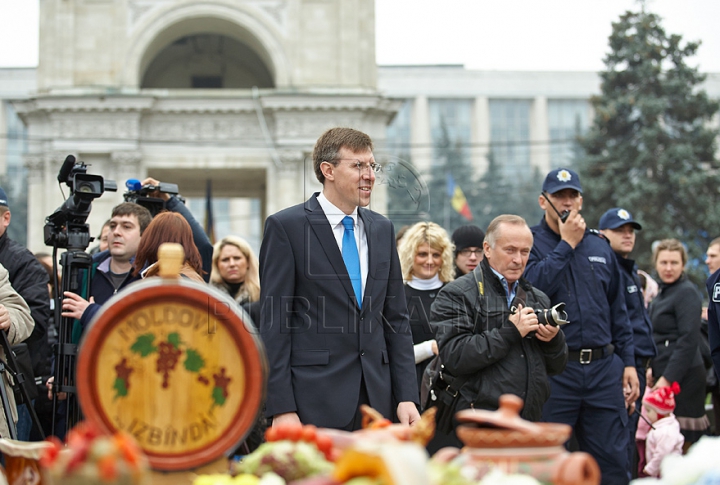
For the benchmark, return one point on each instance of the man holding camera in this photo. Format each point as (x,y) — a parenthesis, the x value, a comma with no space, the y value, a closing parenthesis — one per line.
(487,329)
(573,264)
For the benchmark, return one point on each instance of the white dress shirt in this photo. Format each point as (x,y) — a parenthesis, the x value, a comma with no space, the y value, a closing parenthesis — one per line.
(335,217)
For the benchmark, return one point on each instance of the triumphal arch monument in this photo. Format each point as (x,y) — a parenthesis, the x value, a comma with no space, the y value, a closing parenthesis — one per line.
(231,91)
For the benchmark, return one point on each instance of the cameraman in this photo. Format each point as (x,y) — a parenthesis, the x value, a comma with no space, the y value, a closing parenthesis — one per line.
(488,330)
(111,269)
(200,239)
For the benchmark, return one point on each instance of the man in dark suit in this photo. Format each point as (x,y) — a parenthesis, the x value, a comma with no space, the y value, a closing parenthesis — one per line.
(334,319)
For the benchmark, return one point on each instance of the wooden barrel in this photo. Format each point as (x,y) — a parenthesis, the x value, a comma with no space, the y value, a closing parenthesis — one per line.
(177,365)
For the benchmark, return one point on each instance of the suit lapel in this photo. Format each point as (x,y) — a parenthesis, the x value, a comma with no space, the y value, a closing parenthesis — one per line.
(321,227)
(373,250)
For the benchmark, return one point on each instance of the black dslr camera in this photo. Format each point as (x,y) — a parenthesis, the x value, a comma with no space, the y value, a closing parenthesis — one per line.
(554,316)
(140,194)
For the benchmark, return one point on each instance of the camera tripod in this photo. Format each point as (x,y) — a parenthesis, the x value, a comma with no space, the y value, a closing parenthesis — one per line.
(76,265)
(11,368)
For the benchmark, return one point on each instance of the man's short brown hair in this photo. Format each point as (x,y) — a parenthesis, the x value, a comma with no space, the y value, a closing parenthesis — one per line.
(131,209)
(329,144)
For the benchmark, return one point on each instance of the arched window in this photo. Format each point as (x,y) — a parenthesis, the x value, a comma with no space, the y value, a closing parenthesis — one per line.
(207,61)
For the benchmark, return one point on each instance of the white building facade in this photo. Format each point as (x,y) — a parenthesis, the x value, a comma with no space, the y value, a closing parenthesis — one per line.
(231,91)
(236,92)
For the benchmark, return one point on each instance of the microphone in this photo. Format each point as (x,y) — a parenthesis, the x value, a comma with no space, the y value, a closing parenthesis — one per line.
(133,184)
(66,169)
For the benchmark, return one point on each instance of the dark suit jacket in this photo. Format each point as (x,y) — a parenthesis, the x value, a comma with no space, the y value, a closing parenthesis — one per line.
(320,345)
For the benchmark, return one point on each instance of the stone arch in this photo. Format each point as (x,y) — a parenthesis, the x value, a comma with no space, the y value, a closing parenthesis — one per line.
(242,23)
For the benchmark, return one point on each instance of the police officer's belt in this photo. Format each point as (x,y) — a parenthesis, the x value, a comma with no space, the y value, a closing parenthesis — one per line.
(585,356)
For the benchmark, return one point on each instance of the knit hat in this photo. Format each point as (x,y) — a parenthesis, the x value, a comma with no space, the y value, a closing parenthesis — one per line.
(3,198)
(468,236)
(662,399)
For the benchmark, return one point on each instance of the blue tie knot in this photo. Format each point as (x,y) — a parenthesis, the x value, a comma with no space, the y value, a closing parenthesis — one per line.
(348,223)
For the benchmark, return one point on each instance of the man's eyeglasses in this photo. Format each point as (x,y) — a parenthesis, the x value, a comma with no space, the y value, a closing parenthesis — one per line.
(469,251)
(360,165)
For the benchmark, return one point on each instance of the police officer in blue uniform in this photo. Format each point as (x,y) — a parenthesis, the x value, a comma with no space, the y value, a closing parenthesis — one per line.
(575,265)
(619,227)
(713,289)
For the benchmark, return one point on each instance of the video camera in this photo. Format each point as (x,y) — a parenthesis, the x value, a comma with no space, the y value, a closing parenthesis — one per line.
(139,194)
(66,227)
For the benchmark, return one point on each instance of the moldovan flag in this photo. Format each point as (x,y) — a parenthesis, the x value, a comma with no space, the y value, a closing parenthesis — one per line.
(457,198)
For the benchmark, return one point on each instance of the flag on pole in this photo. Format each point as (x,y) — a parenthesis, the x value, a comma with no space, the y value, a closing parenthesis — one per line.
(209,222)
(457,198)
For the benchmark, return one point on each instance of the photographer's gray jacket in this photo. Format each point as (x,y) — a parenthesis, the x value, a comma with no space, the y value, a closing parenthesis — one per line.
(476,337)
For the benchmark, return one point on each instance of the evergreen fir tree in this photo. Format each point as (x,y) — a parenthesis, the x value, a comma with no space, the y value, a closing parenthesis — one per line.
(651,148)
(496,195)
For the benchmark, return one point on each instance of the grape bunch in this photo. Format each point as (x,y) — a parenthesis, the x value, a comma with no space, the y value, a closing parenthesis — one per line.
(168,357)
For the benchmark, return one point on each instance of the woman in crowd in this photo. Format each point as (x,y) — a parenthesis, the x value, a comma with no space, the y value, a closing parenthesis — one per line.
(675,314)
(426,257)
(235,270)
(168,227)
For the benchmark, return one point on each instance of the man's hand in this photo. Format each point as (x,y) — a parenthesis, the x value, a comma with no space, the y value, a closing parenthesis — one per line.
(434,347)
(631,381)
(546,333)
(279,419)
(155,193)
(73,306)
(49,384)
(572,230)
(4,318)
(525,320)
(407,413)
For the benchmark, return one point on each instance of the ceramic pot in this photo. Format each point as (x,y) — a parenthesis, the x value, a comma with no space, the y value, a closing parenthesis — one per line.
(503,439)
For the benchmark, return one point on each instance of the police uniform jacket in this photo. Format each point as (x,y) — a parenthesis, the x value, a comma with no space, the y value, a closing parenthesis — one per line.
(587,279)
(638,315)
(713,289)
(476,337)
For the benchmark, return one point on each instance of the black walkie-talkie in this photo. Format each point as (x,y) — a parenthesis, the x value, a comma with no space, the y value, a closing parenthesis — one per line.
(563,216)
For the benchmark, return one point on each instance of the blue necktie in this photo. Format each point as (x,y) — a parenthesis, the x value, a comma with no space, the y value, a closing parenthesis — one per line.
(352,258)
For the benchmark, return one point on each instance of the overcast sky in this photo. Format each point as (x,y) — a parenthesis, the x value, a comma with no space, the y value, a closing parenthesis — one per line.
(553,35)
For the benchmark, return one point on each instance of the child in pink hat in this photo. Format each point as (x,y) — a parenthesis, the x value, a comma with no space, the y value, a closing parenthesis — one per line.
(664,437)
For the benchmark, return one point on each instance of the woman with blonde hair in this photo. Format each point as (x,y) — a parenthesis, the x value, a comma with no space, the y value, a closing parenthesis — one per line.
(235,270)
(426,257)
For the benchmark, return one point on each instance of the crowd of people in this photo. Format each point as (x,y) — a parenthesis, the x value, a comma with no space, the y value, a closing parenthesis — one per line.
(351,313)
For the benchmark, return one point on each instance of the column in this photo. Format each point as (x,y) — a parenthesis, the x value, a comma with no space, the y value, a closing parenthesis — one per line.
(540,135)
